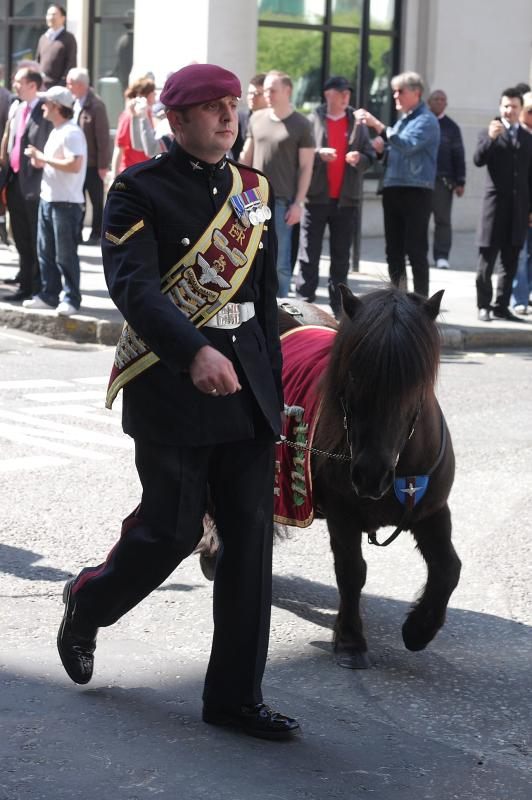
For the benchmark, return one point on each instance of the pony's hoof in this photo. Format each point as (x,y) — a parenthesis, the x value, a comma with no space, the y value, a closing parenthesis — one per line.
(353,660)
(415,638)
(208,566)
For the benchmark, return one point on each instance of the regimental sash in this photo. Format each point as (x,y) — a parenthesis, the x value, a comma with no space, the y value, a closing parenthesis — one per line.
(203,280)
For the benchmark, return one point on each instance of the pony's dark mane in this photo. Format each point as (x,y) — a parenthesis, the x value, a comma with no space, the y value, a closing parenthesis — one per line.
(384,356)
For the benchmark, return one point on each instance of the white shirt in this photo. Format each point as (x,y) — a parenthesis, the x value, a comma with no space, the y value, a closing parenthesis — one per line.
(53,34)
(58,186)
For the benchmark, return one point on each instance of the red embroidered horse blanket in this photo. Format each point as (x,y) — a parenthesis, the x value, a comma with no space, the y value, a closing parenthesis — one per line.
(305,355)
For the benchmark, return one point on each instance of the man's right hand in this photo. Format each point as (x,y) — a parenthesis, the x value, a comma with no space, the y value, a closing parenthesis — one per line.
(327,154)
(212,373)
(495,128)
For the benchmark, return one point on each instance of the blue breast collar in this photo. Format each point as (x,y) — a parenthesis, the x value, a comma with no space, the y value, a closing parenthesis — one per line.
(411,489)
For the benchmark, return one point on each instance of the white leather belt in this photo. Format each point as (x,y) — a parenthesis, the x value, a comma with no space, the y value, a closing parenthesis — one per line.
(232,315)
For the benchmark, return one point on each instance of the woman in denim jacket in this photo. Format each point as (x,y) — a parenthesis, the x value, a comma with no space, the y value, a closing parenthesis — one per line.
(411,150)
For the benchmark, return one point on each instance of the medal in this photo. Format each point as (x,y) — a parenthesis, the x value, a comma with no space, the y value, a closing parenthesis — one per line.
(250,208)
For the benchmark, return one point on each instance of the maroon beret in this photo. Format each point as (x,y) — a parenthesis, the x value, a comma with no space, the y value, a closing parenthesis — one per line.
(199,83)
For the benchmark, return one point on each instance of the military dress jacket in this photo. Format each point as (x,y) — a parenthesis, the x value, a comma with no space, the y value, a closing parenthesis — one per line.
(154,212)
(507,198)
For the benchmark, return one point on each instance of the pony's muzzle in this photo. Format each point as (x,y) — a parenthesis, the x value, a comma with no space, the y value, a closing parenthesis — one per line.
(371,485)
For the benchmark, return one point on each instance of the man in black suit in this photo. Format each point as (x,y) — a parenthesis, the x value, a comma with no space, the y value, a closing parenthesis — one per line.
(184,233)
(26,126)
(57,49)
(505,148)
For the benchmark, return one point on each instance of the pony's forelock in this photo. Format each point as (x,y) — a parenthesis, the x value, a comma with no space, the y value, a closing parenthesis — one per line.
(382,359)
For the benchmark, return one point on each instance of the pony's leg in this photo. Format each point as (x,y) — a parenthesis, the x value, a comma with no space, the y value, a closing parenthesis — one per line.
(433,537)
(349,643)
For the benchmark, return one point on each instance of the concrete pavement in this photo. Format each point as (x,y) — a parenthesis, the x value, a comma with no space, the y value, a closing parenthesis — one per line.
(100,322)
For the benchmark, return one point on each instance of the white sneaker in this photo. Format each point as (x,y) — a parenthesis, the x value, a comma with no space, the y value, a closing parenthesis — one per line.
(37,302)
(442,263)
(520,309)
(64,309)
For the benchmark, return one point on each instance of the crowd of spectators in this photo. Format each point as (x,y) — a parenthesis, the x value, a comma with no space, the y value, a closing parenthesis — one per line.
(315,165)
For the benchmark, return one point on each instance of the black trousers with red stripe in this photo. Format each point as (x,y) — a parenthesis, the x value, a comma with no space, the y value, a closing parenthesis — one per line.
(165,529)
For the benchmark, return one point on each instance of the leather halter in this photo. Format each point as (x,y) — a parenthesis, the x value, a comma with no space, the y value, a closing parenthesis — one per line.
(411,496)
(410,489)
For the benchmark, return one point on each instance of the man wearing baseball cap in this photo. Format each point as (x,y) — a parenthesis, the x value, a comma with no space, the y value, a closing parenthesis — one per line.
(61,207)
(343,153)
(189,254)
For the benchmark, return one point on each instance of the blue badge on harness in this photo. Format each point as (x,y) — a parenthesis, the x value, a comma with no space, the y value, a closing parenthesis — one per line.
(411,489)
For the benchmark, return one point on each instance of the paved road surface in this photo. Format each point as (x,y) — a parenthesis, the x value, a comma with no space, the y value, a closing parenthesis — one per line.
(450,722)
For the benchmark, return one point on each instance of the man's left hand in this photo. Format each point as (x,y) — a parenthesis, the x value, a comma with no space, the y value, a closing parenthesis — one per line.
(459,190)
(352,158)
(293,215)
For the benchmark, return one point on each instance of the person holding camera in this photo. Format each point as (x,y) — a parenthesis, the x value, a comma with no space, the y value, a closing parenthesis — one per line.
(411,151)
(139,94)
(505,149)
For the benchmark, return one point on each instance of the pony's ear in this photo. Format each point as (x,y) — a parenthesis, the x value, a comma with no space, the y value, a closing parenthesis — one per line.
(432,305)
(350,303)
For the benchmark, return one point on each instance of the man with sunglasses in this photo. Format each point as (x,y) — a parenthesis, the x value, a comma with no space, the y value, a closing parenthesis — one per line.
(410,148)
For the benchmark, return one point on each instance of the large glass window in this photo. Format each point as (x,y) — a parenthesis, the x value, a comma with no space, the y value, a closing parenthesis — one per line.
(22,22)
(299,54)
(382,14)
(347,13)
(379,74)
(313,39)
(310,12)
(111,51)
(31,8)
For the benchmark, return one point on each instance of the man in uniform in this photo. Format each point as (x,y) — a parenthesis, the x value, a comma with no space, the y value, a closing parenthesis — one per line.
(189,253)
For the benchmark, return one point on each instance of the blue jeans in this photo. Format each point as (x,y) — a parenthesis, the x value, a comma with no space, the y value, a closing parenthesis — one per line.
(57,250)
(522,285)
(284,245)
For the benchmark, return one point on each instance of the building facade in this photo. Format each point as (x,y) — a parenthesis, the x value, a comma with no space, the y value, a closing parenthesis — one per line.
(460,47)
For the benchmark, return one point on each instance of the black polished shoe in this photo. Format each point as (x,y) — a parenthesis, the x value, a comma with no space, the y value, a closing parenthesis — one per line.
(484,315)
(258,720)
(76,641)
(12,281)
(16,297)
(505,314)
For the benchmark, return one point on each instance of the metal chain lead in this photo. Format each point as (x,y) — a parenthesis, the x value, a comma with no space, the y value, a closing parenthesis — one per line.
(315,451)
